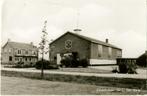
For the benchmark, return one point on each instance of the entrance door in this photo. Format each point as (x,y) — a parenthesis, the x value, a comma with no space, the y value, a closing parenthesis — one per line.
(58,59)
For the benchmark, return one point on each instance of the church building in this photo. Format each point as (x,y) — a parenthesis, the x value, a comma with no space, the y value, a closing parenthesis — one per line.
(95,51)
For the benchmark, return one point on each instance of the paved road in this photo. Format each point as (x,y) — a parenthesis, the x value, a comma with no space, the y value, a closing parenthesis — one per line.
(24,86)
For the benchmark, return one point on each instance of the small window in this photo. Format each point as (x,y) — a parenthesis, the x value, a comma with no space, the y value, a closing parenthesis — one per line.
(9,50)
(26,59)
(19,51)
(30,59)
(26,52)
(55,57)
(20,59)
(10,58)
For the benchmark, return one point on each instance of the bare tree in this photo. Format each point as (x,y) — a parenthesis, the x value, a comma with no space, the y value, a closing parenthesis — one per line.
(42,47)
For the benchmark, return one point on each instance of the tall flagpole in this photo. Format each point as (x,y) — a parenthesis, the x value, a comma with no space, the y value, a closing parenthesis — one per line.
(146,25)
(146,38)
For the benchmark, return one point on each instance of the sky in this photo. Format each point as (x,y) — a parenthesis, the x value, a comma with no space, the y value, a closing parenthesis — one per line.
(123,22)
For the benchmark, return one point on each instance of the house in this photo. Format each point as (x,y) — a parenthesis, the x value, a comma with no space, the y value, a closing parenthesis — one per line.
(142,60)
(14,52)
(97,52)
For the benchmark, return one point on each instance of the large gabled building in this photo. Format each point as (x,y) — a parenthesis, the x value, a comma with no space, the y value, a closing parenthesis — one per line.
(96,51)
(14,52)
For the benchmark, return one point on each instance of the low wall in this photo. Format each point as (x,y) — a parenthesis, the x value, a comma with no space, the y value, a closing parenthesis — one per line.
(101,81)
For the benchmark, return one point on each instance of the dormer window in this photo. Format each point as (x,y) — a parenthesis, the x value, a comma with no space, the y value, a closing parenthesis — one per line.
(19,52)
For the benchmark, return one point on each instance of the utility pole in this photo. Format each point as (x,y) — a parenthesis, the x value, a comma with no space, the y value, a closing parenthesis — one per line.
(42,47)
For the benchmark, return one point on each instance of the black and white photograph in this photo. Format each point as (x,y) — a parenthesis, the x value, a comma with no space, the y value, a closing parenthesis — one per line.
(73,47)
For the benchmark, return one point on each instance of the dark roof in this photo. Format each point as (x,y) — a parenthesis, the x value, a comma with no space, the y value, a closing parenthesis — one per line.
(88,39)
(143,55)
(21,45)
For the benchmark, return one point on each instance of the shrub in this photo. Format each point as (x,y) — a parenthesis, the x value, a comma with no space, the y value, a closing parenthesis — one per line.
(46,65)
(66,62)
(122,68)
(127,67)
(19,64)
(83,63)
(131,68)
(115,70)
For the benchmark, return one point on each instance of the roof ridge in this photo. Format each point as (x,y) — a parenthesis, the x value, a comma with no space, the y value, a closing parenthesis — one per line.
(94,40)
(21,45)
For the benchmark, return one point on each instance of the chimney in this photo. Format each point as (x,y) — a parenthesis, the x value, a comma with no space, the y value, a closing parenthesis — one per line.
(107,41)
(9,40)
(31,43)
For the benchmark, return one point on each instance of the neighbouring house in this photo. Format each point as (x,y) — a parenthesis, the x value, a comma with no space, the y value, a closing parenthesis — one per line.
(14,52)
(95,51)
(142,60)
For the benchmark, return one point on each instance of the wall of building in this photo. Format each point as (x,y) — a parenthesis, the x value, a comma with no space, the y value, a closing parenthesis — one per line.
(7,51)
(101,54)
(13,52)
(78,45)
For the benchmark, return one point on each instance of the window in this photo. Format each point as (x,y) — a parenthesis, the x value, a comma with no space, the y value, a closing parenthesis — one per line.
(9,50)
(34,53)
(26,52)
(30,59)
(118,53)
(68,44)
(19,51)
(26,59)
(10,58)
(109,51)
(100,50)
(20,59)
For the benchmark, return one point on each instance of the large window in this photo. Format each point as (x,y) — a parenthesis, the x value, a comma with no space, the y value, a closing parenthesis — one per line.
(109,51)
(100,50)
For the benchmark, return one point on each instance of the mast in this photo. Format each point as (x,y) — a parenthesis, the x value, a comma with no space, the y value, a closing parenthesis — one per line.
(77,30)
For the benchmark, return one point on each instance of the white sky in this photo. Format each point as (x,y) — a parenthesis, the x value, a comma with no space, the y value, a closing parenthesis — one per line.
(122,21)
